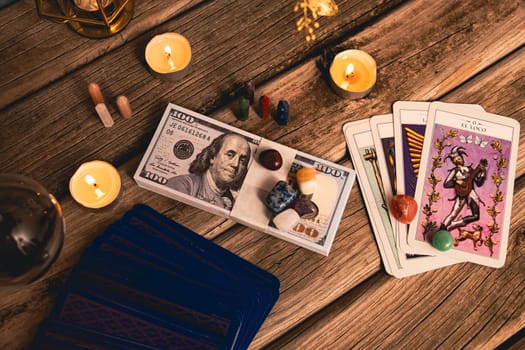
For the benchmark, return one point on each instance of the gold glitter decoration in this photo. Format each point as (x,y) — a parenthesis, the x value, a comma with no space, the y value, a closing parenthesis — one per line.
(317,8)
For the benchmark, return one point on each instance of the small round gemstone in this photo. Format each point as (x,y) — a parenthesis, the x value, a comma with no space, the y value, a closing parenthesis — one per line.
(442,240)
(404,208)
(271,159)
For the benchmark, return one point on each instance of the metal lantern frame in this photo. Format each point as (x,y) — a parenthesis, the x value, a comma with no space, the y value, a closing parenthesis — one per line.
(107,23)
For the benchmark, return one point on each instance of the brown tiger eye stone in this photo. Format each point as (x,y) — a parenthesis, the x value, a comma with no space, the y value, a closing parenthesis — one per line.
(271,159)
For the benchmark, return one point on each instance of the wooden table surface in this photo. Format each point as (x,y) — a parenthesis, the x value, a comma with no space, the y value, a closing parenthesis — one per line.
(466,51)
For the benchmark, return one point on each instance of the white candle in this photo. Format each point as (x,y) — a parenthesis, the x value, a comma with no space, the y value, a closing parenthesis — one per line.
(168,56)
(95,184)
(353,73)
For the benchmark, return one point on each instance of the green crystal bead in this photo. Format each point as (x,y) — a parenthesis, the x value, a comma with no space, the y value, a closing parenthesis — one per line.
(442,240)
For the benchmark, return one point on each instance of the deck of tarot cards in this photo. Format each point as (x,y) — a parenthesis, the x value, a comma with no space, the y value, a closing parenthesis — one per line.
(149,283)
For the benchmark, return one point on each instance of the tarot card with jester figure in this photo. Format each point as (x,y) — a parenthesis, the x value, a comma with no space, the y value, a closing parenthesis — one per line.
(465,183)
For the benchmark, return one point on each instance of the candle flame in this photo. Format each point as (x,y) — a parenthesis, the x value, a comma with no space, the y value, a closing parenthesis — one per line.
(99,193)
(349,70)
(167,51)
(90,180)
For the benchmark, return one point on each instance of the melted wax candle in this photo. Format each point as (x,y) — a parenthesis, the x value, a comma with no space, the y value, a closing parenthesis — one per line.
(353,74)
(168,56)
(95,184)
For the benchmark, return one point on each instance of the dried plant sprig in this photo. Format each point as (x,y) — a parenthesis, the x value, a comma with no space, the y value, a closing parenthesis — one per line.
(497,196)
(433,196)
(317,8)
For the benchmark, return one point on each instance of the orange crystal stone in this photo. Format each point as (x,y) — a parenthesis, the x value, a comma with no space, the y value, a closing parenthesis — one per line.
(404,208)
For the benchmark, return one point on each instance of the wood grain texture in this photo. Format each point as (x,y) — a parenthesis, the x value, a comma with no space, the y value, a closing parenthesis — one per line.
(456,51)
(33,60)
(44,51)
(82,137)
(73,128)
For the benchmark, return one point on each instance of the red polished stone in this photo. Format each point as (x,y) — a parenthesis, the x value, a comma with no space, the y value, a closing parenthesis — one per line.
(404,208)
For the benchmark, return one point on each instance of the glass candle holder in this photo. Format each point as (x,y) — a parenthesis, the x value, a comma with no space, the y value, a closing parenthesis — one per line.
(31,230)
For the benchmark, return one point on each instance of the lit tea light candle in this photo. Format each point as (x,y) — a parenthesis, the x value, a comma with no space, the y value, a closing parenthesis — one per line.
(95,184)
(168,56)
(353,73)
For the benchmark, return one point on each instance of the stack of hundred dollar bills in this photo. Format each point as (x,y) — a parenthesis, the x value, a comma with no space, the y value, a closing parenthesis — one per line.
(215,167)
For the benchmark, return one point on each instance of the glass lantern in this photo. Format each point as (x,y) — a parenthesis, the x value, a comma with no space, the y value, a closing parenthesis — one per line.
(31,230)
(90,18)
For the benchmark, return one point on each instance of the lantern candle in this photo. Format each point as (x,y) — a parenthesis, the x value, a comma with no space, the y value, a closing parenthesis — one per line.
(353,74)
(91,18)
(95,184)
(168,56)
(91,5)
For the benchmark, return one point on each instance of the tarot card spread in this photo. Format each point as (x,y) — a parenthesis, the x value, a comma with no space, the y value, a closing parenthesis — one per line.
(389,152)
(468,166)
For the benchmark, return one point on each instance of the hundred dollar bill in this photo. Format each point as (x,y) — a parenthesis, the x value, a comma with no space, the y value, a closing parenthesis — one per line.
(212,166)
(181,161)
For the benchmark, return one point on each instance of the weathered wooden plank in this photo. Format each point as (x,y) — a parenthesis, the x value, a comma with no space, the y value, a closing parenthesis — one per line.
(73,128)
(82,137)
(36,51)
(289,261)
(495,296)
(30,54)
